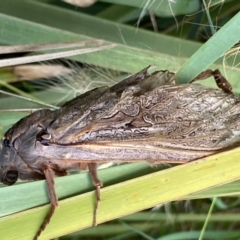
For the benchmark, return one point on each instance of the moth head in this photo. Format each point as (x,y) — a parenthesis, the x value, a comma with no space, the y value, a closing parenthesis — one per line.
(18,156)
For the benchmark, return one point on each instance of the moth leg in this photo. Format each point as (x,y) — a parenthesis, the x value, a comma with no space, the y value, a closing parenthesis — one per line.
(98,184)
(49,175)
(220,80)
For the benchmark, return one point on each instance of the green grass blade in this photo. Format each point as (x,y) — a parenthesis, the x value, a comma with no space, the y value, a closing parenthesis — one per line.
(127,197)
(195,235)
(136,50)
(162,8)
(215,47)
(34,194)
(23,22)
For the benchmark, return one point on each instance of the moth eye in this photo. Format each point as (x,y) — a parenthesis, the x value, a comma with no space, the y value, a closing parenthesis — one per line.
(11,177)
(6,143)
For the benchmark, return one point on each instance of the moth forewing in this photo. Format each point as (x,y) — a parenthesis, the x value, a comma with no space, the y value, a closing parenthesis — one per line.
(143,118)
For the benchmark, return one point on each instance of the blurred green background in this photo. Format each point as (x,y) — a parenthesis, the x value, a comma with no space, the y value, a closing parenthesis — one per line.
(169,34)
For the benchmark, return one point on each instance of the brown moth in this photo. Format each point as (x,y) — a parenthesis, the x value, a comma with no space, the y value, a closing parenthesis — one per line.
(143,118)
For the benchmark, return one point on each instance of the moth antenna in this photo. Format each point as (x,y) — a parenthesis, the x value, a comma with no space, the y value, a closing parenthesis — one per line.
(98,184)
(52,195)
(46,222)
(98,196)
(220,80)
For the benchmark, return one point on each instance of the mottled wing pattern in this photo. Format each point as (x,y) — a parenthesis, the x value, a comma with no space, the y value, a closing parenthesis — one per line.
(81,114)
(204,119)
(155,111)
